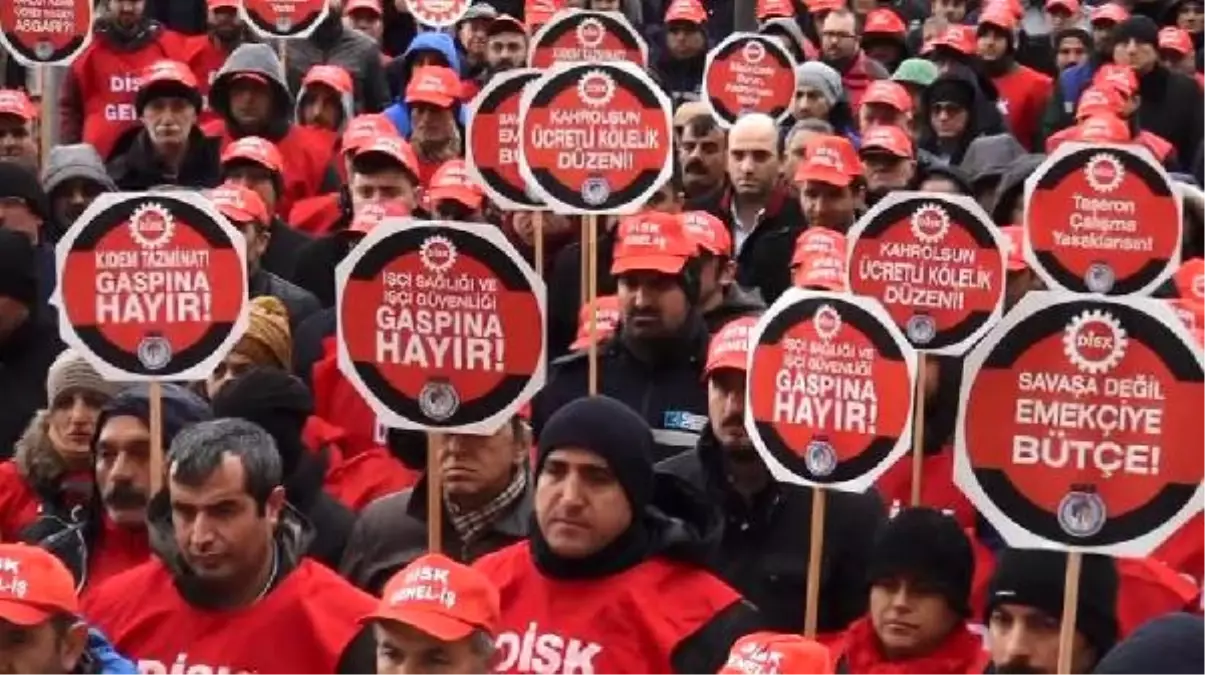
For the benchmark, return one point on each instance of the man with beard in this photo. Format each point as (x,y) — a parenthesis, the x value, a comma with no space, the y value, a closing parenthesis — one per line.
(831,187)
(111,536)
(73,176)
(506,46)
(839,44)
(721,299)
(368,17)
(168,148)
(681,66)
(1071,48)
(1023,91)
(888,161)
(18,140)
(654,361)
(763,550)
(702,152)
(325,99)
(433,96)
(225,32)
(1025,606)
(332,44)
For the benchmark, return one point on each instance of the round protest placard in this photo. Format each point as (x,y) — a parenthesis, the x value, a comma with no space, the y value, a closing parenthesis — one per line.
(45,32)
(492,139)
(586,36)
(1080,424)
(441,325)
(438,13)
(595,138)
(829,394)
(748,72)
(152,286)
(1102,219)
(936,262)
(296,19)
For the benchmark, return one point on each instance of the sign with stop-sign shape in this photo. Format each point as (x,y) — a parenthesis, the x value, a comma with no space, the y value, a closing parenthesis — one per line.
(830,390)
(595,138)
(586,36)
(936,262)
(1102,219)
(748,72)
(1080,424)
(45,32)
(284,19)
(492,139)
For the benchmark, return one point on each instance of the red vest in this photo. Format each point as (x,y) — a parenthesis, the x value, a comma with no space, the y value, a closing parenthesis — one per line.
(336,399)
(1023,96)
(108,80)
(301,626)
(626,623)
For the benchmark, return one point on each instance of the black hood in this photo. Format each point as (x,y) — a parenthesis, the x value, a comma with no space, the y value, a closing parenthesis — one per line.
(1012,185)
(984,117)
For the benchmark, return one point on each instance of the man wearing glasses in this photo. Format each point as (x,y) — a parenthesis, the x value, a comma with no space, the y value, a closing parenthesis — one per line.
(840,47)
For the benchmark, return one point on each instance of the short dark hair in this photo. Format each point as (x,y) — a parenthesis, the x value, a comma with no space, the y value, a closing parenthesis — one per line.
(198,450)
(373,163)
(701,124)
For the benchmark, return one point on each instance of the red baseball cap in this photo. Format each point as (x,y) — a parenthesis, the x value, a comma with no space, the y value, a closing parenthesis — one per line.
(394,147)
(440,597)
(505,23)
(889,139)
(729,347)
(240,204)
(1014,248)
(250,77)
(255,149)
(829,159)
(1111,12)
(1193,315)
(606,318)
(334,77)
(452,181)
(775,9)
(960,38)
(652,241)
(1099,101)
(1121,78)
(362,130)
(708,232)
(816,7)
(888,92)
(690,11)
(819,259)
(368,216)
(771,653)
(1176,40)
(883,22)
(35,586)
(222,4)
(1103,129)
(1000,16)
(1070,6)
(437,85)
(15,102)
(166,71)
(1190,280)
(539,12)
(373,6)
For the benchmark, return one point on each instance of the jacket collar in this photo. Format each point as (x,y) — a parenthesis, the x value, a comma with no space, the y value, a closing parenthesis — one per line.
(513,521)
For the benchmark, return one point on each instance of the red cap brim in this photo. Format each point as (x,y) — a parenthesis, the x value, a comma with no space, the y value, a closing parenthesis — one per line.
(23,613)
(823,175)
(467,197)
(437,625)
(666,264)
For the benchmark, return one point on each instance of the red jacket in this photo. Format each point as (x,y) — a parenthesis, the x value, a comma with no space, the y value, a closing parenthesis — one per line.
(357,480)
(937,486)
(609,625)
(18,503)
(308,152)
(316,215)
(1023,96)
(106,79)
(1184,552)
(302,625)
(336,399)
(961,652)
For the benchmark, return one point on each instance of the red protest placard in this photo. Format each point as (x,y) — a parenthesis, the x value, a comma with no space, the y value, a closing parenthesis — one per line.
(829,398)
(45,32)
(492,139)
(441,326)
(152,286)
(595,138)
(1102,219)
(438,13)
(271,19)
(585,36)
(936,262)
(1080,424)
(748,72)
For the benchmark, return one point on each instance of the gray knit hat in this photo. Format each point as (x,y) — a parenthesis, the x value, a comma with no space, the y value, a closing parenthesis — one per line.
(821,77)
(70,372)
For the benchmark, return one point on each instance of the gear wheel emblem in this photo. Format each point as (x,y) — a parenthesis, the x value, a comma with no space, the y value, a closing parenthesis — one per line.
(1094,342)
(826,322)
(437,254)
(930,223)
(596,89)
(152,225)
(1104,172)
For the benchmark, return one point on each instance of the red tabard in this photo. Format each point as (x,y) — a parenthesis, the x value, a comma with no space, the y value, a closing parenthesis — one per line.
(1024,93)
(627,623)
(310,618)
(336,399)
(108,81)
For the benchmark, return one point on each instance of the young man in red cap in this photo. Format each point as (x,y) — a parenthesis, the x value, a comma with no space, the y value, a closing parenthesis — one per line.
(680,66)
(888,161)
(333,44)
(454,195)
(1178,52)
(884,37)
(831,187)
(18,140)
(325,100)
(721,299)
(41,630)
(436,616)
(366,16)
(1023,91)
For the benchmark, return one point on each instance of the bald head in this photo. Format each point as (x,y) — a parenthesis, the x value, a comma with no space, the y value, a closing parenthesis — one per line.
(754,124)
(753,159)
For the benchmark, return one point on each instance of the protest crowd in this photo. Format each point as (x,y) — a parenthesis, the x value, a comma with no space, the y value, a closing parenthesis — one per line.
(602,336)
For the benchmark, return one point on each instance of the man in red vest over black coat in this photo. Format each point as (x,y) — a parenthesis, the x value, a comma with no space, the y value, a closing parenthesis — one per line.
(611,580)
(229,589)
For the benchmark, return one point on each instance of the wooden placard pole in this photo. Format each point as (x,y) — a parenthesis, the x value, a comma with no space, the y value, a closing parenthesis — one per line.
(918,431)
(591,296)
(155,393)
(1075,561)
(537,233)
(815,554)
(435,493)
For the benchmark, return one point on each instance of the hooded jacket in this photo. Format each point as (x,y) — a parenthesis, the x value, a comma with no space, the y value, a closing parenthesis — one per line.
(37,473)
(988,157)
(101,658)
(1012,183)
(401,68)
(610,616)
(347,103)
(308,171)
(96,103)
(983,117)
(134,163)
(67,162)
(333,44)
(762,546)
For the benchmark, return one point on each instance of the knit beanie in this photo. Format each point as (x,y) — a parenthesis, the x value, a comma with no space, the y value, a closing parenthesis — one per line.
(179,408)
(22,182)
(1139,28)
(18,266)
(925,545)
(951,90)
(822,78)
(1172,643)
(611,430)
(268,341)
(273,399)
(71,373)
(1034,578)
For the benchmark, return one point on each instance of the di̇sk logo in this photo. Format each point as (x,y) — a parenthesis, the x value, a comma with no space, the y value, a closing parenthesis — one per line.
(1094,342)
(591,33)
(1104,173)
(930,223)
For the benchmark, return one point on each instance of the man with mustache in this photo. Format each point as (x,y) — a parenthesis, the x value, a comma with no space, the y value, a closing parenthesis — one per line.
(763,550)
(701,153)
(225,31)
(110,535)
